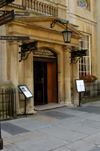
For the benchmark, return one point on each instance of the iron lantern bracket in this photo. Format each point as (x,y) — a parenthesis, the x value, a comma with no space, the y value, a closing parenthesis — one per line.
(56,20)
(26,49)
(79,54)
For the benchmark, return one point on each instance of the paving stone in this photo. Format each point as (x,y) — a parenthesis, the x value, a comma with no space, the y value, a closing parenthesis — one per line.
(43,119)
(95,139)
(5,134)
(69,111)
(49,142)
(79,145)
(20,120)
(85,130)
(95,149)
(12,129)
(98,146)
(30,124)
(9,146)
(45,143)
(7,141)
(14,149)
(89,109)
(17,138)
(64,134)
(57,115)
(31,135)
(87,148)
(90,116)
(66,124)
(74,119)
(62,149)
(90,123)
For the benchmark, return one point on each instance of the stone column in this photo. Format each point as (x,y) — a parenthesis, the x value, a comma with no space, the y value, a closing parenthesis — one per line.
(67,76)
(75,68)
(14,49)
(29,82)
(3,58)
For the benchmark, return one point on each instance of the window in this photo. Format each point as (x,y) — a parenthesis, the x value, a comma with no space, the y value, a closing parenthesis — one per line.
(84,62)
(84,3)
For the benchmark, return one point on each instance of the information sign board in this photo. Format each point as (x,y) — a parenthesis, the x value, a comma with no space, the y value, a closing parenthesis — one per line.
(25,91)
(80,86)
(7,17)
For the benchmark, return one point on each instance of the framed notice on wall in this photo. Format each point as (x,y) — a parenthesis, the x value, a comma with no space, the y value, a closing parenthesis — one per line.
(25,91)
(80,86)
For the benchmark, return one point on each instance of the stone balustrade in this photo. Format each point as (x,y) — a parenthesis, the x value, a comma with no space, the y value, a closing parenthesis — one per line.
(40,7)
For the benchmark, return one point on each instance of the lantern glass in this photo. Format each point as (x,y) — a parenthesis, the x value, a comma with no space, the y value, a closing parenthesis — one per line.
(67,36)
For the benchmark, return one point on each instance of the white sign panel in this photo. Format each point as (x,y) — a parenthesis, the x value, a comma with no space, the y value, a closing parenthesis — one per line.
(80,85)
(25,91)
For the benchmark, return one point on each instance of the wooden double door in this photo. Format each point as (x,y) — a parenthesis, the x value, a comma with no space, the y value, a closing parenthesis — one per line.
(45,82)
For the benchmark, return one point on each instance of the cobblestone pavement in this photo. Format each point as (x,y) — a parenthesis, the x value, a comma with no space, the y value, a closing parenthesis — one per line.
(63,129)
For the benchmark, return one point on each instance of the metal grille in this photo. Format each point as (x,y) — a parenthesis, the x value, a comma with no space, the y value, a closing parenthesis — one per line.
(7,104)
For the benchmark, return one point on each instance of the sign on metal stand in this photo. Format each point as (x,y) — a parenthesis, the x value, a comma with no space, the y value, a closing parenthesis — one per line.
(27,93)
(80,86)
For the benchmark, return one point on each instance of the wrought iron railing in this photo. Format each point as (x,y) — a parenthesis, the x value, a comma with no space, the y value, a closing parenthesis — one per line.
(7,104)
(40,7)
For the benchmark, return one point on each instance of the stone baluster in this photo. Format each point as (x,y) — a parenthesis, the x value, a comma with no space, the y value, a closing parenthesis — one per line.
(24,3)
(33,4)
(56,12)
(30,4)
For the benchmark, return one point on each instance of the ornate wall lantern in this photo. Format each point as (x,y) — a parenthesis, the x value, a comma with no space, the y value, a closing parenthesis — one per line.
(67,34)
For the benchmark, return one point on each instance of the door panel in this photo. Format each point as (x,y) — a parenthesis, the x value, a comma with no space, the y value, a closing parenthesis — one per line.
(51,82)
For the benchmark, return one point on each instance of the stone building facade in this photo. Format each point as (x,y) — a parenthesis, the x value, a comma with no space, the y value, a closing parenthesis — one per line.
(48,72)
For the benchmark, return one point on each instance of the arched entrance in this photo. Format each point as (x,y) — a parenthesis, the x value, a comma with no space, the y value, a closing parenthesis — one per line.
(45,76)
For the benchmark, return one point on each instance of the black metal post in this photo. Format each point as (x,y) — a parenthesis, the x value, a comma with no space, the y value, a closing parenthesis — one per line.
(25,105)
(80,99)
(1,140)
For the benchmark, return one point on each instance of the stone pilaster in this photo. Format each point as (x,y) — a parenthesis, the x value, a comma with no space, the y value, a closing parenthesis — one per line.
(75,68)
(14,49)
(29,82)
(67,76)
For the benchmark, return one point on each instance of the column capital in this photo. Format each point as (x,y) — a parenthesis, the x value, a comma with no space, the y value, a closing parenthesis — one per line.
(14,42)
(67,48)
(70,48)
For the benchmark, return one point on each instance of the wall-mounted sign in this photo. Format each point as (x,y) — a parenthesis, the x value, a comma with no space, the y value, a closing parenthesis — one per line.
(16,6)
(29,46)
(80,86)
(78,53)
(5,2)
(19,13)
(14,38)
(44,52)
(25,91)
(7,17)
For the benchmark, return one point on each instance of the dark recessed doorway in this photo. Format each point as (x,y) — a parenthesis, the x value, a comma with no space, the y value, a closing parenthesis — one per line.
(45,81)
